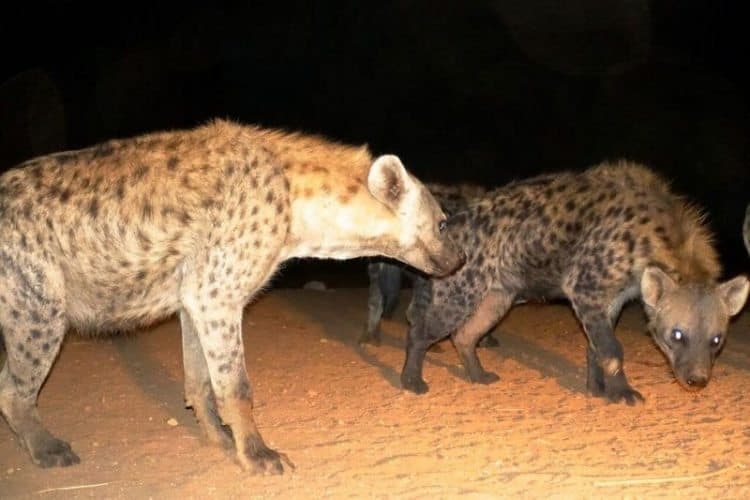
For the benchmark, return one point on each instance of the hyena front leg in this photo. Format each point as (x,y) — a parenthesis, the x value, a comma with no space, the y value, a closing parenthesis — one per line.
(33,325)
(485,316)
(198,391)
(606,376)
(213,313)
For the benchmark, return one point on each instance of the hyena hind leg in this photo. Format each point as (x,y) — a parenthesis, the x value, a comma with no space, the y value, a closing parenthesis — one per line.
(485,316)
(198,391)
(33,326)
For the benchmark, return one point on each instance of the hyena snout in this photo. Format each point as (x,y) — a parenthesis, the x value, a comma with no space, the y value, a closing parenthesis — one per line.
(447,259)
(693,376)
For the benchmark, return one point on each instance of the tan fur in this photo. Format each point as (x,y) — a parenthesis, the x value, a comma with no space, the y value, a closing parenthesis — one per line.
(194,222)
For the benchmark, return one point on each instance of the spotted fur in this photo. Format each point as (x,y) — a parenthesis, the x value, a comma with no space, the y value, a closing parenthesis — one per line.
(195,222)
(598,238)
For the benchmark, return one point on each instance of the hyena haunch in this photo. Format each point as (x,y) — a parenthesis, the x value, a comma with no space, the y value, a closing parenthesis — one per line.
(598,238)
(194,222)
(386,276)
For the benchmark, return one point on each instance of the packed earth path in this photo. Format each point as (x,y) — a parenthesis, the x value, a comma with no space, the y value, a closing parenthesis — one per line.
(338,411)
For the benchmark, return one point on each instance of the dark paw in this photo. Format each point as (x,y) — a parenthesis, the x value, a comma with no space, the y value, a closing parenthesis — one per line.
(488,341)
(415,385)
(260,459)
(372,338)
(485,378)
(54,452)
(626,394)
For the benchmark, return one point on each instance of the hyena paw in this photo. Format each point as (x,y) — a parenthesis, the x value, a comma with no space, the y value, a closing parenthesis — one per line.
(485,378)
(260,459)
(626,394)
(414,384)
(372,338)
(53,452)
(488,341)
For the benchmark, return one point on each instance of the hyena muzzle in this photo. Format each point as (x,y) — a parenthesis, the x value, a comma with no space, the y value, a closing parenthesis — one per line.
(386,276)
(599,239)
(193,222)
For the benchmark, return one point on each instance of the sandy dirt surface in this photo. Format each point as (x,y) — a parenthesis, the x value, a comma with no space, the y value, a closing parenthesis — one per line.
(339,413)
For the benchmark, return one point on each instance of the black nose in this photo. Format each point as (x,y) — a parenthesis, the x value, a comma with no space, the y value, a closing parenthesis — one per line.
(697,381)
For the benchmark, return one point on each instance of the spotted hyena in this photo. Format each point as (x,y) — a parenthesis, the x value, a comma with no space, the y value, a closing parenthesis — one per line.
(386,276)
(598,238)
(194,222)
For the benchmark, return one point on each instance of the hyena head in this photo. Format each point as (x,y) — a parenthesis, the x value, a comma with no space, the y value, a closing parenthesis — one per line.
(689,322)
(421,240)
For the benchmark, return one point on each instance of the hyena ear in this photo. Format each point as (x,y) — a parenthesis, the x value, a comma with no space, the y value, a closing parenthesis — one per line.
(388,181)
(655,283)
(734,293)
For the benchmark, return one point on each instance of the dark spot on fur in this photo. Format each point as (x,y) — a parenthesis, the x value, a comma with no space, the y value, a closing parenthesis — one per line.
(140,172)
(172,163)
(35,334)
(94,208)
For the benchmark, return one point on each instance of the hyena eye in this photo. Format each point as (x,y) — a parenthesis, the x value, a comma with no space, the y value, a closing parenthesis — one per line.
(443,225)
(716,340)
(677,335)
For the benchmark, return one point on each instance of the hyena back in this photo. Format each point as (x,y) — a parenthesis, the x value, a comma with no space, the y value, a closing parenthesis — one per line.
(386,276)
(194,222)
(598,238)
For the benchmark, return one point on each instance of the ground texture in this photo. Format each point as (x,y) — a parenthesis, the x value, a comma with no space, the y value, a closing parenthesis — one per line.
(339,413)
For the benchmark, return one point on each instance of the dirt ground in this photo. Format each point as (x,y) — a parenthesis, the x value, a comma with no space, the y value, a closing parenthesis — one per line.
(339,413)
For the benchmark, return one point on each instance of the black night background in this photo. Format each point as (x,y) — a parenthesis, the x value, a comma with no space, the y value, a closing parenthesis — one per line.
(461,90)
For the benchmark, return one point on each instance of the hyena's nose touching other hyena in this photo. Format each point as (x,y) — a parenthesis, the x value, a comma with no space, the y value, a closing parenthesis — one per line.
(193,222)
(598,238)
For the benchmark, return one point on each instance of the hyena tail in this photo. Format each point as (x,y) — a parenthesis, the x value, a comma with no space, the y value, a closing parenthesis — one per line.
(389,280)
(746,229)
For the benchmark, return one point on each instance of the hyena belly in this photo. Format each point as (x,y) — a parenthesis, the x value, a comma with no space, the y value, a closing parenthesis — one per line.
(589,238)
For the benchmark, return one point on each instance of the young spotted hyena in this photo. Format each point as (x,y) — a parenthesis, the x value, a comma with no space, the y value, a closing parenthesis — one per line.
(386,276)
(195,222)
(598,238)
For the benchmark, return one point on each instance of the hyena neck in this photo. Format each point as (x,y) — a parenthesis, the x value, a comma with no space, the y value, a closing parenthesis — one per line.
(325,227)
(333,214)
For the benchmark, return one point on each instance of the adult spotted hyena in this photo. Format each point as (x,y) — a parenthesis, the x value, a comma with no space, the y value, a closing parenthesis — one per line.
(195,222)
(598,238)
(386,276)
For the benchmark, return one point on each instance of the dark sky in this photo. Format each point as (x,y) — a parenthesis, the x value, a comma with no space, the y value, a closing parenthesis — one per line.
(461,90)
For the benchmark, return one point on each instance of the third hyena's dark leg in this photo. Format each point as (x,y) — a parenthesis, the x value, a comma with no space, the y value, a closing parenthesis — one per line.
(418,342)
(371,332)
(33,325)
(487,313)
(198,391)
(606,376)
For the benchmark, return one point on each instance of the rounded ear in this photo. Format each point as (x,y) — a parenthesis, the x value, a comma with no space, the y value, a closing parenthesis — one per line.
(734,293)
(388,181)
(655,283)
